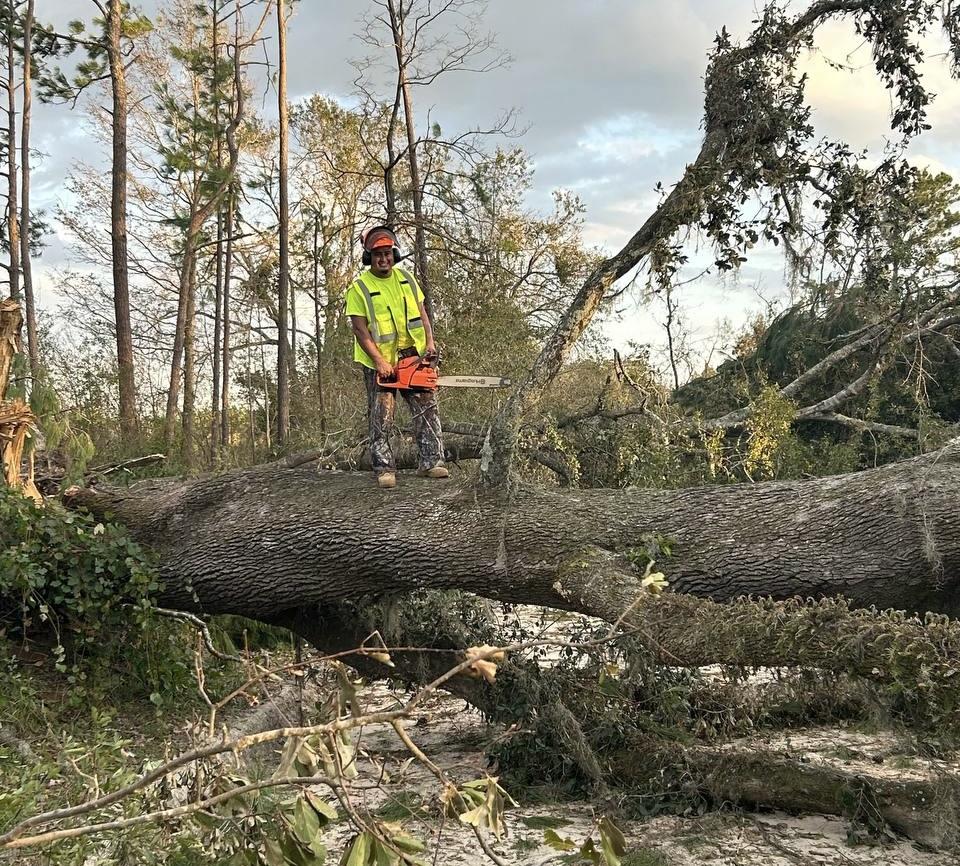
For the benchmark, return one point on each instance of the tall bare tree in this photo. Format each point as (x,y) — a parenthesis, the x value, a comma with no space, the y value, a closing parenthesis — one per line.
(13,219)
(218,325)
(396,11)
(118,221)
(283,349)
(233,156)
(30,305)
(108,58)
(422,52)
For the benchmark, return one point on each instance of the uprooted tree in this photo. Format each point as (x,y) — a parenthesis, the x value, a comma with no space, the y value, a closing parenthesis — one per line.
(313,549)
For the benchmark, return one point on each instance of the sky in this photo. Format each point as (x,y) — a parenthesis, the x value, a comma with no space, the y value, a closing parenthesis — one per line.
(609,93)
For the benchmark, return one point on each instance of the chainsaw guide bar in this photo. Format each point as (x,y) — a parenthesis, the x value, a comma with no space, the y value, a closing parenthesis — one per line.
(416,374)
(474,382)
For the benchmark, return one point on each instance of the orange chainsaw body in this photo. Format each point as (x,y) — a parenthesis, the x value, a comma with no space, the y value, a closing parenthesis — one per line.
(413,373)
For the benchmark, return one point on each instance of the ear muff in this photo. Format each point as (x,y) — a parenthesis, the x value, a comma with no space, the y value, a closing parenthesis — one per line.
(366,258)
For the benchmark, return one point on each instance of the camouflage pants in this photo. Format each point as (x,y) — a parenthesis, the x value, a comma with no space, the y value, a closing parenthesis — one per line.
(381,411)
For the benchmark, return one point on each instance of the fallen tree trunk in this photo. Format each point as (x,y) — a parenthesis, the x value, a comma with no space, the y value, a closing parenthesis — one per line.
(925,806)
(262,541)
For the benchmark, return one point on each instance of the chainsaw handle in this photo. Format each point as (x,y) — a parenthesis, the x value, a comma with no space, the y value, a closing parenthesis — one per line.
(413,373)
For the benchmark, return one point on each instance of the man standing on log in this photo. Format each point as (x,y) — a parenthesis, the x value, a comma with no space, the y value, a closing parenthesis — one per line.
(390,322)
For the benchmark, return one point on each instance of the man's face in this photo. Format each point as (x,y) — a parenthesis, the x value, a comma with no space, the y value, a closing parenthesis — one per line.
(381,261)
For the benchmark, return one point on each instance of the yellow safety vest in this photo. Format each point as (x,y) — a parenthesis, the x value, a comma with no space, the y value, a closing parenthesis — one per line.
(383,318)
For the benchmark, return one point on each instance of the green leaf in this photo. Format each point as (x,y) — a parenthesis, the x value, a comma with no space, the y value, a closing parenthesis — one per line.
(359,852)
(324,810)
(408,844)
(612,842)
(557,842)
(306,822)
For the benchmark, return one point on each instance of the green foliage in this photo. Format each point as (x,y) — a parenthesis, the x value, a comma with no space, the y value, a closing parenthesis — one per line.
(70,571)
(82,590)
(767,429)
(61,432)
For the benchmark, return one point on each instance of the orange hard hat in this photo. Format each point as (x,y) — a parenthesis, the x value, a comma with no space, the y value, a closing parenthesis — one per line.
(379,236)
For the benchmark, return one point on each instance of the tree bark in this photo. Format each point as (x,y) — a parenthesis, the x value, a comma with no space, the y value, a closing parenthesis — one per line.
(187,450)
(118,226)
(283,349)
(30,305)
(215,406)
(262,541)
(13,217)
(179,334)
(318,331)
(227,276)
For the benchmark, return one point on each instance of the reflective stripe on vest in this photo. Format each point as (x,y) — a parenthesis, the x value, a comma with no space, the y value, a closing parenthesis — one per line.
(416,321)
(372,317)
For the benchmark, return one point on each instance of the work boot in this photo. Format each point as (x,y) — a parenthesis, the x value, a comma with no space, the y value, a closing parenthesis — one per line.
(434,472)
(387,480)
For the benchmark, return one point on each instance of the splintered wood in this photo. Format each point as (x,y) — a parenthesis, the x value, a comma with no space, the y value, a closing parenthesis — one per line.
(16,419)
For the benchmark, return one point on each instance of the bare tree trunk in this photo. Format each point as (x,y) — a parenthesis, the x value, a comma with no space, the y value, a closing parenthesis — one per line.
(388,187)
(266,392)
(118,226)
(13,221)
(227,274)
(187,266)
(216,400)
(218,258)
(179,338)
(187,450)
(316,319)
(234,154)
(396,24)
(33,349)
(283,360)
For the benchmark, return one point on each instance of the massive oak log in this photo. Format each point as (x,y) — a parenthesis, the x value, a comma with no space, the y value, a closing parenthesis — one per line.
(266,540)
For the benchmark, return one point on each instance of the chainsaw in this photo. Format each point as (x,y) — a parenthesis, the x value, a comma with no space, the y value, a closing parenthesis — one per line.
(420,374)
